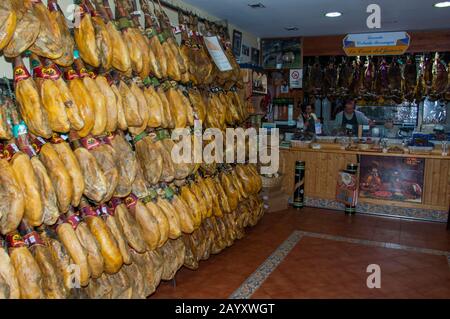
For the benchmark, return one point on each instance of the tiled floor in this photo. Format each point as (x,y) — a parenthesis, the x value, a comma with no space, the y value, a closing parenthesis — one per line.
(323,267)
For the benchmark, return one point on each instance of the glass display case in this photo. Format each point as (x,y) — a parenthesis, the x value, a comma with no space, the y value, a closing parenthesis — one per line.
(401,114)
(434,112)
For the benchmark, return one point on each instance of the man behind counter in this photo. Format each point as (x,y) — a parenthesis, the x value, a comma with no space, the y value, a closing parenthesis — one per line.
(349,117)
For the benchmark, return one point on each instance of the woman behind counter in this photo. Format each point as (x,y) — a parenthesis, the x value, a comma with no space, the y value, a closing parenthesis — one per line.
(309,119)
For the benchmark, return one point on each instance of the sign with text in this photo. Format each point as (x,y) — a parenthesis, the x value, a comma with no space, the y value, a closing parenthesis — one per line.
(383,43)
(296,78)
(217,54)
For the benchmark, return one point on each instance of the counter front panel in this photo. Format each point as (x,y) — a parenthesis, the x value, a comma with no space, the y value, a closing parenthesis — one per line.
(323,166)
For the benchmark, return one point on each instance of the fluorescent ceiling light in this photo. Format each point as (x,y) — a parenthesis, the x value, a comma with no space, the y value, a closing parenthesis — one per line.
(333,14)
(444,4)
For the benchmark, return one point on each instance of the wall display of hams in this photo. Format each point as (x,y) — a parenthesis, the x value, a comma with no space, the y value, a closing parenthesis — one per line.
(88,183)
(380,80)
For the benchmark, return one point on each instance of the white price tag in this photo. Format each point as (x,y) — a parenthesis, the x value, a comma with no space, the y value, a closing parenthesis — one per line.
(14,147)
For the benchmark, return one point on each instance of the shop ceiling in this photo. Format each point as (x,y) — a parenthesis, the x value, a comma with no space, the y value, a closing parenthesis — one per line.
(309,16)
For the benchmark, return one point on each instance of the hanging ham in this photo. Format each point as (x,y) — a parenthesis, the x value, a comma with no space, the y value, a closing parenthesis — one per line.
(67,42)
(8,22)
(52,281)
(28,27)
(66,230)
(30,107)
(27,270)
(10,285)
(107,244)
(84,34)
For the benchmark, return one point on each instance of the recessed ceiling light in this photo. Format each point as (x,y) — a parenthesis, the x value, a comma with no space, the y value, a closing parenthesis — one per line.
(333,14)
(444,4)
(258,5)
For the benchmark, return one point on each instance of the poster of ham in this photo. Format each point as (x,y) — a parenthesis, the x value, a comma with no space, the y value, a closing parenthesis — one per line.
(392,178)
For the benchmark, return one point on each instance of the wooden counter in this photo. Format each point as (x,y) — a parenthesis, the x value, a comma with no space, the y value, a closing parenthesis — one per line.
(323,166)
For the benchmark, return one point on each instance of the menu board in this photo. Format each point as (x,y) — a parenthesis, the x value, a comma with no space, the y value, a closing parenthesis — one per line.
(392,178)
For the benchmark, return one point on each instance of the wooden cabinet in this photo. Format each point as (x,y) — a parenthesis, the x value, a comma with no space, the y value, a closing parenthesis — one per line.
(437,183)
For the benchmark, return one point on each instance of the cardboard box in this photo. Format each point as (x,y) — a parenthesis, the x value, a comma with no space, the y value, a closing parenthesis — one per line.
(275,199)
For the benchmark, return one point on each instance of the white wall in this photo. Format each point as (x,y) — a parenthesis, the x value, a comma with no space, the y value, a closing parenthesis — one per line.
(248,39)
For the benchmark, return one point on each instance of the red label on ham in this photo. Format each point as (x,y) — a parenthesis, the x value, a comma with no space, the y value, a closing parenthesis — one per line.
(131,202)
(115,201)
(32,239)
(9,151)
(56,139)
(89,142)
(83,73)
(37,143)
(92,74)
(29,150)
(14,240)
(39,72)
(71,75)
(104,211)
(88,211)
(74,221)
(52,72)
(21,73)
(107,139)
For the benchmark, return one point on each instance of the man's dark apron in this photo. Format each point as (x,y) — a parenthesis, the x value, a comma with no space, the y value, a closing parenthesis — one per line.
(353,122)
(311,124)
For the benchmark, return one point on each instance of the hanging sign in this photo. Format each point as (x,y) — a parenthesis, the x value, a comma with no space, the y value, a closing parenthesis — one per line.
(296,78)
(383,43)
(217,54)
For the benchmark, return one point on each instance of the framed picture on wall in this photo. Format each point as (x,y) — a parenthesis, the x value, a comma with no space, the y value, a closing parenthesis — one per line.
(245,50)
(237,43)
(255,56)
(398,179)
(282,53)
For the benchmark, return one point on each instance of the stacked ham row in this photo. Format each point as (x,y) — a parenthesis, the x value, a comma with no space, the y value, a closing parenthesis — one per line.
(124,247)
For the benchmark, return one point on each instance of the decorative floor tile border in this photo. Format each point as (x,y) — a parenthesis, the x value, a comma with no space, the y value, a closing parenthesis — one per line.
(378,244)
(257,278)
(382,210)
(246,290)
